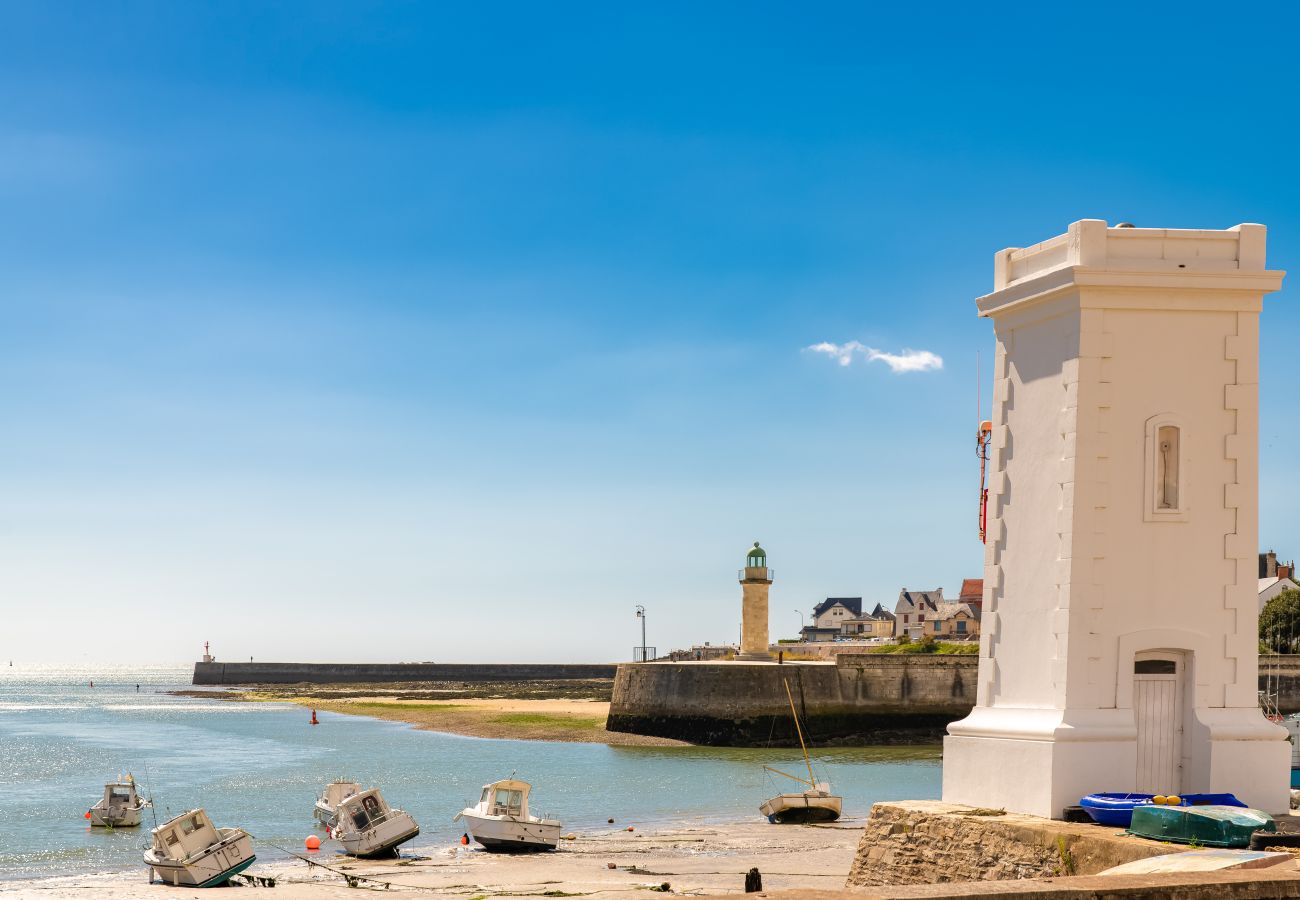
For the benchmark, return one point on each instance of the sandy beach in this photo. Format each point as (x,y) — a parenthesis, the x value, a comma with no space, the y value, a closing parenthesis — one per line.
(701,859)
(486,711)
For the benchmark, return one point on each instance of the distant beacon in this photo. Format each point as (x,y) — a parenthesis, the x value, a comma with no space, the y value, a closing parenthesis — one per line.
(755,582)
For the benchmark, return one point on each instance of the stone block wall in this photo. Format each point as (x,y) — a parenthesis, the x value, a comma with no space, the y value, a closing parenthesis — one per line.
(930,842)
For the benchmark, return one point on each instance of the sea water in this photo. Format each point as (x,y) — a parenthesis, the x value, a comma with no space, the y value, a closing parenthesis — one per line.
(260,766)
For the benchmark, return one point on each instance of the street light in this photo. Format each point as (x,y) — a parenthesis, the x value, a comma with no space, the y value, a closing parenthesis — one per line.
(801,625)
(640,614)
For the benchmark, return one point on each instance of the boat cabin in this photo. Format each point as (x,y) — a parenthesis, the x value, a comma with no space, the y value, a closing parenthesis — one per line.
(338,791)
(185,835)
(120,794)
(505,798)
(364,810)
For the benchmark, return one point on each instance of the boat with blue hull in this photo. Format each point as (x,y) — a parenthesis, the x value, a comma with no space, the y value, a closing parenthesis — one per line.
(1116,809)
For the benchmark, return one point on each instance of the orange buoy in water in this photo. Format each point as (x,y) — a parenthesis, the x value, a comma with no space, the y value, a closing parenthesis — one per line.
(464,839)
(312,842)
(630,828)
(313,718)
(87,815)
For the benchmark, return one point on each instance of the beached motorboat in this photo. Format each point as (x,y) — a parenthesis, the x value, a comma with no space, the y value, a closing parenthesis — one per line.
(815,804)
(1209,826)
(189,851)
(367,826)
(120,806)
(1116,810)
(327,804)
(500,821)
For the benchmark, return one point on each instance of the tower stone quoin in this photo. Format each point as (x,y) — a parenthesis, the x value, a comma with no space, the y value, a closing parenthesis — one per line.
(1119,646)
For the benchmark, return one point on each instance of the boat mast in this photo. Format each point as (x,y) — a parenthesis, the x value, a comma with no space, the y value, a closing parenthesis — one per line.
(812,779)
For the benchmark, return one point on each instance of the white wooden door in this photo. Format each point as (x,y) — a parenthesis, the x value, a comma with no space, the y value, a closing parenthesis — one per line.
(1158,708)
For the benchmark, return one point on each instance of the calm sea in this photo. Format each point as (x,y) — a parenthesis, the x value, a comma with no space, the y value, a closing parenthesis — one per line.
(260,766)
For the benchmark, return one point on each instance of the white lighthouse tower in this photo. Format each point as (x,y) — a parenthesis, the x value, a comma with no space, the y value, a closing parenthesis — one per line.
(1119,646)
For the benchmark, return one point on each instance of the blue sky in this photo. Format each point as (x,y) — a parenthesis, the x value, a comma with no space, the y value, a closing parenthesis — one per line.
(453,331)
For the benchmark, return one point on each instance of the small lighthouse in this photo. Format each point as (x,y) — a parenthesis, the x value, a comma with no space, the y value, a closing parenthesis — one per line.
(755,582)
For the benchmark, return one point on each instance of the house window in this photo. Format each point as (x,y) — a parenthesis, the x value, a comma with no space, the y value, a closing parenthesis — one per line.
(906,618)
(961,626)
(920,617)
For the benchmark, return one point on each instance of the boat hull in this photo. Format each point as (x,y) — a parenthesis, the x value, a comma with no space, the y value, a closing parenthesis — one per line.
(795,809)
(217,865)
(326,815)
(128,817)
(381,840)
(506,835)
(1116,810)
(1209,826)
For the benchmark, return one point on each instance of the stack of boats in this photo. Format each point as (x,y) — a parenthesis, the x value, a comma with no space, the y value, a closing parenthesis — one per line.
(1209,820)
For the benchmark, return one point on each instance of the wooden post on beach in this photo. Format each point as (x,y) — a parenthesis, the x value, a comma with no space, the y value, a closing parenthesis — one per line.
(753,881)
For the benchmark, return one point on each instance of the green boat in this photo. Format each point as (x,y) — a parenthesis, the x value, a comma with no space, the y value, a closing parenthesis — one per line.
(1209,826)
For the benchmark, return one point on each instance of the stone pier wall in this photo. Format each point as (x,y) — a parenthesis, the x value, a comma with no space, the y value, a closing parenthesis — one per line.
(929,842)
(866,698)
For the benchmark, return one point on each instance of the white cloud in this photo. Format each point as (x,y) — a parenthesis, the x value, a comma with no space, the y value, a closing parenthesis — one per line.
(842,353)
(906,361)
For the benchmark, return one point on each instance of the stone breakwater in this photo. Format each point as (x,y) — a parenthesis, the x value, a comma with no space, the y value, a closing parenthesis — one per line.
(927,842)
(217,673)
(858,699)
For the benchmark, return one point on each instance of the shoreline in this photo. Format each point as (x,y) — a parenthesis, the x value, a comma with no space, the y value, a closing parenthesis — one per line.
(565,719)
(696,858)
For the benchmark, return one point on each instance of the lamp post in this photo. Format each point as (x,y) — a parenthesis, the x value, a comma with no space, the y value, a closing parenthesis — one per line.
(801,625)
(640,614)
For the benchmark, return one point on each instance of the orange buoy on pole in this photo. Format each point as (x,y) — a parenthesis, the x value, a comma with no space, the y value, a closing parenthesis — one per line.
(464,839)
(313,718)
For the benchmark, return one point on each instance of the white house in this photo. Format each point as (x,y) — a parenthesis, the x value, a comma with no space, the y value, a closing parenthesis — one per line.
(1271,587)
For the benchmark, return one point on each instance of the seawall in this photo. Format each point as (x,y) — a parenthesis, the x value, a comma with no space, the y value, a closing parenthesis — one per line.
(873,698)
(217,673)
(862,698)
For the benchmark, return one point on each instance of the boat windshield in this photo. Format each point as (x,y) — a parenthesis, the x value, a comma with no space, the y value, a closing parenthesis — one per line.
(508,803)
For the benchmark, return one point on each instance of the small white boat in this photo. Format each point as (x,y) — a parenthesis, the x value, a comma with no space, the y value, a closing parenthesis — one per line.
(120,806)
(501,822)
(367,826)
(327,805)
(189,851)
(816,804)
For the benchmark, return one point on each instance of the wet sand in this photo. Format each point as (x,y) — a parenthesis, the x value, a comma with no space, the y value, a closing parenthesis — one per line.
(486,711)
(700,859)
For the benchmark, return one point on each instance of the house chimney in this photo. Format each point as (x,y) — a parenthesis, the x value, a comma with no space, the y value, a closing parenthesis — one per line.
(1285,570)
(1268,565)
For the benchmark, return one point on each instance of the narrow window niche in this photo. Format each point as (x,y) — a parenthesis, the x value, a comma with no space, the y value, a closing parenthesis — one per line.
(1166,483)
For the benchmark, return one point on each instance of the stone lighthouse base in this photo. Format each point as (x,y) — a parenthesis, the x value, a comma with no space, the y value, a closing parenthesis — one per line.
(1040,761)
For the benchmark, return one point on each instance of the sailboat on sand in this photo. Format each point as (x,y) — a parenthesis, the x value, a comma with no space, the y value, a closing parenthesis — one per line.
(816,804)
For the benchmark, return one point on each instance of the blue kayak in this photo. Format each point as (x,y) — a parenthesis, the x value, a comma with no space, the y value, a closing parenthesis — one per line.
(1116,810)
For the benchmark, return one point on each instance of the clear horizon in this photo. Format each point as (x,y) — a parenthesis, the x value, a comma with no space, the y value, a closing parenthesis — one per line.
(393,332)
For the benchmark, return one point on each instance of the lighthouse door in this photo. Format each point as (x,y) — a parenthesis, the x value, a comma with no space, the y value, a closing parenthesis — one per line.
(1158,709)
